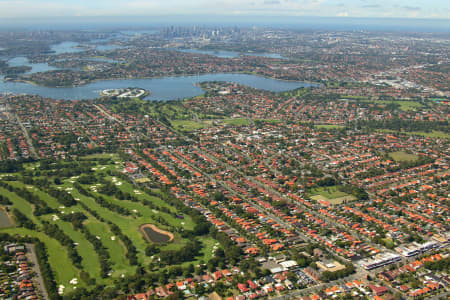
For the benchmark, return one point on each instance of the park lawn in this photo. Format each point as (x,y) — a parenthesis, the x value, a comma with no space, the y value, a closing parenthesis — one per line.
(433,134)
(329,126)
(436,134)
(21,204)
(353,96)
(186,125)
(389,243)
(90,259)
(404,105)
(329,192)
(403,156)
(57,257)
(115,248)
(271,121)
(172,111)
(236,122)
(113,156)
(205,117)
(335,201)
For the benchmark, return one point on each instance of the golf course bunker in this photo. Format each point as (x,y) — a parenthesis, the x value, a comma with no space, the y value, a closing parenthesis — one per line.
(155,235)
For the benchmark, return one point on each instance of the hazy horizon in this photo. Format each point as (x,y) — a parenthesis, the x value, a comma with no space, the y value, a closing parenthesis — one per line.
(431,9)
(295,22)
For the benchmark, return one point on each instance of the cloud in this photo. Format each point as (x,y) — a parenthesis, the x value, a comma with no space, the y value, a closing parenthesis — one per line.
(271,2)
(342,14)
(371,6)
(412,8)
(11,9)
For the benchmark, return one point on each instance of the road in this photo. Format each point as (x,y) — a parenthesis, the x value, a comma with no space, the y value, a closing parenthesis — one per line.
(39,281)
(84,132)
(26,136)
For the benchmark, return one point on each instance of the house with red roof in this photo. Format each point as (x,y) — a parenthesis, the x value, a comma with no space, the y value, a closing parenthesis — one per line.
(378,290)
(242,287)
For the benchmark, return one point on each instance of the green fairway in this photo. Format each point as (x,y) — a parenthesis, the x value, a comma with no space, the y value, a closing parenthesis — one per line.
(210,246)
(57,257)
(52,202)
(85,249)
(114,247)
(21,204)
(101,215)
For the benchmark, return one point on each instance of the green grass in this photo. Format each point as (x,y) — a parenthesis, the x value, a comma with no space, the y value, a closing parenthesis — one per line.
(235,122)
(352,96)
(5,220)
(388,243)
(186,125)
(116,250)
(272,121)
(329,126)
(52,202)
(404,105)
(207,251)
(129,225)
(330,192)
(57,257)
(129,188)
(403,156)
(205,254)
(21,204)
(146,212)
(113,156)
(90,260)
(433,134)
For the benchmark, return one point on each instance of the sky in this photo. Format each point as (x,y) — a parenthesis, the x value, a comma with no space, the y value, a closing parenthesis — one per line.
(424,9)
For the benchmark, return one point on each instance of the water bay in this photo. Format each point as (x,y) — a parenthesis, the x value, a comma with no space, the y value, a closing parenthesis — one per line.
(164,88)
